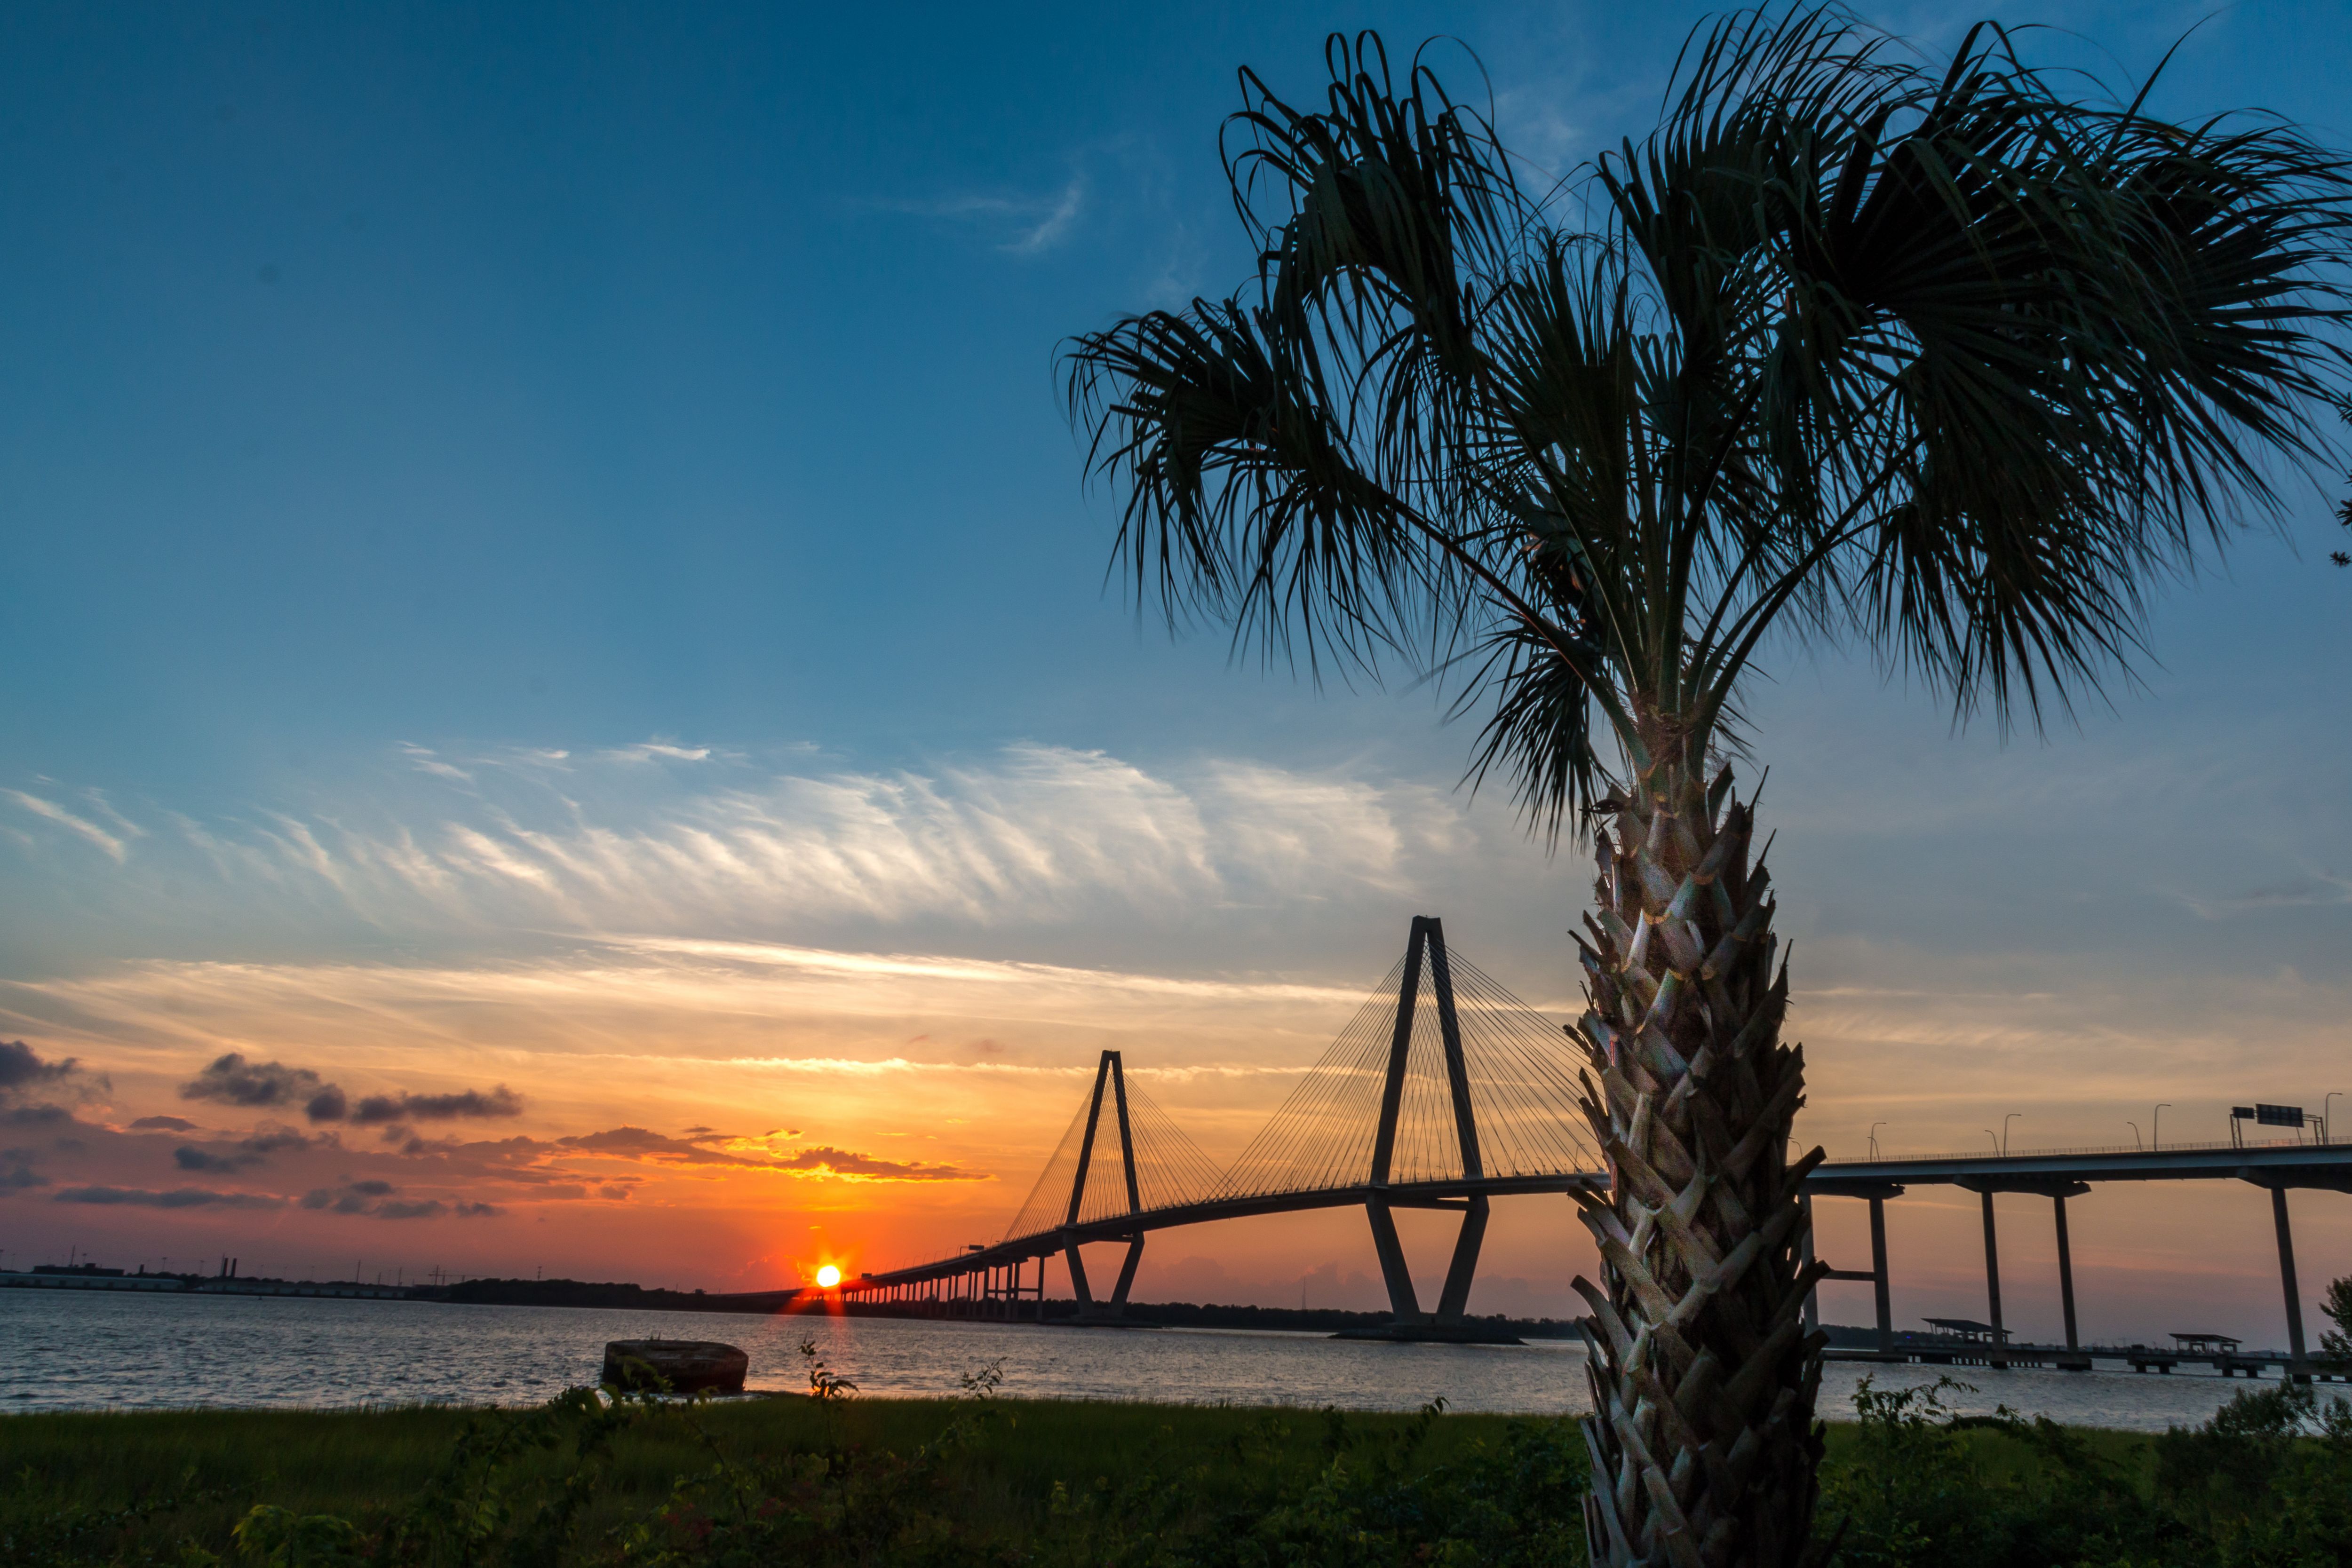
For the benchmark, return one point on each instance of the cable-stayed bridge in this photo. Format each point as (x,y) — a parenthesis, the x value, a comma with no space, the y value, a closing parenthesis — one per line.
(1446,1092)
(1442,1093)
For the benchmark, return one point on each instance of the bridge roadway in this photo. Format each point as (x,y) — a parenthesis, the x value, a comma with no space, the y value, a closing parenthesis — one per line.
(1448,1195)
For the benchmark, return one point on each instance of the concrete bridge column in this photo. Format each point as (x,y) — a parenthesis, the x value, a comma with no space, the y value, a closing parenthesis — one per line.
(1088,1306)
(1805,1261)
(1878,1275)
(2065,1273)
(1402,1302)
(1125,1277)
(1992,1282)
(1876,1193)
(1453,1301)
(2286,1275)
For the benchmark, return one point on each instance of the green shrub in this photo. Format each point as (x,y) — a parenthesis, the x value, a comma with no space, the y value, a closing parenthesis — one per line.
(2268,1480)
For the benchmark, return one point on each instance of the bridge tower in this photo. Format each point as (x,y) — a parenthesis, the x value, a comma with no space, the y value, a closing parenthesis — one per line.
(1426,943)
(1108,1075)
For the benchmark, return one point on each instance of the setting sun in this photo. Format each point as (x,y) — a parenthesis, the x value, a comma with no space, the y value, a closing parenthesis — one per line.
(828,1277)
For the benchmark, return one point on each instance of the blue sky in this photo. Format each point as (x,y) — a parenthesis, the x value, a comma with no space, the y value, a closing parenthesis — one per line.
(484,487)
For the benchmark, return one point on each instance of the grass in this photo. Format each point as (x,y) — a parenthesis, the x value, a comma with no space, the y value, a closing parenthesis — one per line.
(366,1465)
(2001,1460)
(792,1480)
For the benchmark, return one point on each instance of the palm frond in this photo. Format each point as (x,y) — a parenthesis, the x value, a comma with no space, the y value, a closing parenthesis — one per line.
(1952,363)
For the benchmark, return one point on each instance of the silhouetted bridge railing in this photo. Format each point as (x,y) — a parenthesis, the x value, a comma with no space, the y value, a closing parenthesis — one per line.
(1442,1093)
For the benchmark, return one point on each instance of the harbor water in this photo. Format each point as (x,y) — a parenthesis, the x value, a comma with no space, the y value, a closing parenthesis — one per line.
(90,1350)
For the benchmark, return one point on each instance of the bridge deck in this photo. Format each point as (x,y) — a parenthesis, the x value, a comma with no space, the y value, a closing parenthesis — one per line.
(2327,1165)
(2323,1166)
(1123,1226)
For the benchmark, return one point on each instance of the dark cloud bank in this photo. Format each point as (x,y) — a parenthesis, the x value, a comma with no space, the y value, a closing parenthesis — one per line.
(231,1079)
(23,1075)
(375,1199)
(640,1144)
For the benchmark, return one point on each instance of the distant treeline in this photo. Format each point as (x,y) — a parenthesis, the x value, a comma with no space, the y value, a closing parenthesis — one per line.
(1158,1315)
(603,1293)
(1309,1320)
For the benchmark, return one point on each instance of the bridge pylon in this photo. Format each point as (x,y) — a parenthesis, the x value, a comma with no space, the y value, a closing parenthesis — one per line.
(1427,943)
(1111,1076)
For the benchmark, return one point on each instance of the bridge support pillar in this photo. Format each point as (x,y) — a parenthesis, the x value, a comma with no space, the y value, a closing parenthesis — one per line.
(1089,1310)
(1453,1301)
(2286,1279)
(1403,1303)
(1125,1277)
(1992,1284)
(1878,1275)
(2065,1273)
(1805,1261)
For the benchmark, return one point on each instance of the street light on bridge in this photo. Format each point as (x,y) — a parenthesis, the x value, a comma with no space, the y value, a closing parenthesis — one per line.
(2005,1121)
(2155,1126)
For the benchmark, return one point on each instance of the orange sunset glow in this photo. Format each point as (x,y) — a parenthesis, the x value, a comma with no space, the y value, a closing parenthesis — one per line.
(744,1115)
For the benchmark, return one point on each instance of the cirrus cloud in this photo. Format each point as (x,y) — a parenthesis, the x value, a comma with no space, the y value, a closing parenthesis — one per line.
(1030,833)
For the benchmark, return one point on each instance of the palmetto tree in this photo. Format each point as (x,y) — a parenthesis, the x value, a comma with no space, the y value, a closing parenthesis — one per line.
(1948,363)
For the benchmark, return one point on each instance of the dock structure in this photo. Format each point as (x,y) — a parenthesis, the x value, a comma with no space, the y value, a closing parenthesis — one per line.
(2059,1174)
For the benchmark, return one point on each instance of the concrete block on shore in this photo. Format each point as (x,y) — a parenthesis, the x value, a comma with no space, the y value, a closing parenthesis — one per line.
(687,1365)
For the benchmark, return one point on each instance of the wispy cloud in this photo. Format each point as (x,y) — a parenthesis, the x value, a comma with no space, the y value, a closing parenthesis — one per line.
(1048,230)
(2315,890)
(424,761)
(647,751)
(1033,833)
(1026,225)
(115,847)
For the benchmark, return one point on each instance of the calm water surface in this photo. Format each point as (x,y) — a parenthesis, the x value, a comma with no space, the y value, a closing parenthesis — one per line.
(96,1350)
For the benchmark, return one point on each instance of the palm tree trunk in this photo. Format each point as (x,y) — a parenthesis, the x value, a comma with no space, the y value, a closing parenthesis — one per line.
(1703,1441)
